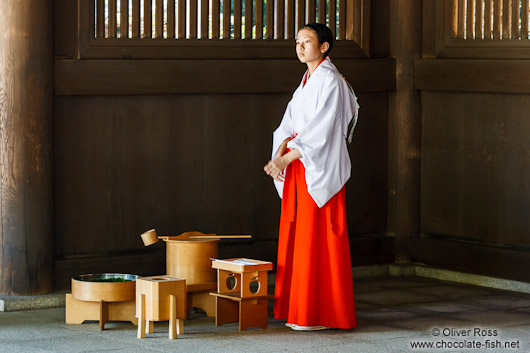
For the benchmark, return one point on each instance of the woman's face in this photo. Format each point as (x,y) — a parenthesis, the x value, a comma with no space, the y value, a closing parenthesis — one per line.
(307,47)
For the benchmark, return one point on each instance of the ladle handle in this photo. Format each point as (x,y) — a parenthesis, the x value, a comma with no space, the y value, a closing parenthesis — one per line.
(177,237)
(244,236)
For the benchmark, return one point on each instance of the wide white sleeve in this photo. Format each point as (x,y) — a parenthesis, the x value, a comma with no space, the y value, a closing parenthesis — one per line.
(284,131)
(322,141)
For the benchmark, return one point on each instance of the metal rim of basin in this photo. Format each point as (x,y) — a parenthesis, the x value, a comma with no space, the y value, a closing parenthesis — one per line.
(103,276)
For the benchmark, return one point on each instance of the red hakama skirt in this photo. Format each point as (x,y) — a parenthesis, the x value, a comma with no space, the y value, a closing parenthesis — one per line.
(314,285)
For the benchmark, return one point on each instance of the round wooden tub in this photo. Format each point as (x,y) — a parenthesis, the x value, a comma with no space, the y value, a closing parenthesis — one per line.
(106,287)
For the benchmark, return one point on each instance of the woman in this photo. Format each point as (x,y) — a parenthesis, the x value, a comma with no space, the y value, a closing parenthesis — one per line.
(310,165)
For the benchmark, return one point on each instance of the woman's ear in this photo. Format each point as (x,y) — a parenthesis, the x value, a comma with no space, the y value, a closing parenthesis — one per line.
(324,47)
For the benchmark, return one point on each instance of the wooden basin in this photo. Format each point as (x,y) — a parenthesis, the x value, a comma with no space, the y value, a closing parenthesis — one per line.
(106,287)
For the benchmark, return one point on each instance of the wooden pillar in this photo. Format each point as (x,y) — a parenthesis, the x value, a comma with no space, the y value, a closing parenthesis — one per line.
(26,165)
(404,144)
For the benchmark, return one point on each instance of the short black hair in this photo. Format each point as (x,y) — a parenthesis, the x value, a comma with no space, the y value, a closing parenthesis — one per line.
(324,34)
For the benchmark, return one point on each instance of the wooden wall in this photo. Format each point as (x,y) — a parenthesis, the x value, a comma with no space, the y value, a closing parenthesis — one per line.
(476,167)
(180,145)
(475,183)
(475,163)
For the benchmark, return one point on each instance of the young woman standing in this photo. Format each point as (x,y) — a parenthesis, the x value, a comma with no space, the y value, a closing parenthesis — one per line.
(310,166)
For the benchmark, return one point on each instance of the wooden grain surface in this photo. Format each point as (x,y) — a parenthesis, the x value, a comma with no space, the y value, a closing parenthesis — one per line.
(404,138)
(187,162)
(26,167)
(65,37)
(494,76)
(89,77)
(476,167)
(238,11)
(249,16)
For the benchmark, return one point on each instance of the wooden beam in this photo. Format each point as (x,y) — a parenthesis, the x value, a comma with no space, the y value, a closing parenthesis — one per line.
(470,11)
(259,19)
(205,12)
(516,13)
(322,11)
(66,23)
(227,19)
(404,129)
(135,18)
(216,19)
(112,19)
(135,48)
(497,19)
(248,19)
(148,18)
(194,12)
(495,76)
(171,19)
(159,19)
(354,30)
(101,77)
(429,29)
(461,19)
(342,19)
(300,15)
(26,147)
(181,19)
(100,19)
(86,26)
(124,19)
(333,17)
(351,15)
(311,11)
(280,19)
(365,19)
(238,13)
(506,17)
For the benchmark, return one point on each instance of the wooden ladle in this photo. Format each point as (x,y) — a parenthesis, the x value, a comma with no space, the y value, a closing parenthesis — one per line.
(150,237)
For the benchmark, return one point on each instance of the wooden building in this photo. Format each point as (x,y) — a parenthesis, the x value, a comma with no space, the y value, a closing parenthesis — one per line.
(113,122)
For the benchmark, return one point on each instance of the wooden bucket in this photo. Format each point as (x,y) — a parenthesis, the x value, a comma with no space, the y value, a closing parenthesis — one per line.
(191,259)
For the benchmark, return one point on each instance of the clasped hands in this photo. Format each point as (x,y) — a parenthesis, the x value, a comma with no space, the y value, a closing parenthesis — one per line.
(276,167)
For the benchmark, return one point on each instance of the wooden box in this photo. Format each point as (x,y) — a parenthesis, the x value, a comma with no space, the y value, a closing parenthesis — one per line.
(241,292)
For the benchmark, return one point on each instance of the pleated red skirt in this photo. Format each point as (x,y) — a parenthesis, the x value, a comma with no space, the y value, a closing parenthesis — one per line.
(314,285)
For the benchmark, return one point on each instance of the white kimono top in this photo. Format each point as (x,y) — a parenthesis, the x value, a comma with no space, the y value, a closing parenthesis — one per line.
(317,119)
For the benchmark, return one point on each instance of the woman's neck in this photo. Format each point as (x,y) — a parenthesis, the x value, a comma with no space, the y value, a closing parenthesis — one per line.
(312,66)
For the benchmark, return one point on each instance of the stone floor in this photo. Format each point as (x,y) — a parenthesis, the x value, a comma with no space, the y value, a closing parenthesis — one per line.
(393,313)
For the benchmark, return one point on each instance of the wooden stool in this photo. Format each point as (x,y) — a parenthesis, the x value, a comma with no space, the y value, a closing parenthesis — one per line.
(160,298)
(241,292)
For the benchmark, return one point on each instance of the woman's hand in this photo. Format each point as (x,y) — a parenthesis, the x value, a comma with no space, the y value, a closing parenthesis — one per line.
(275,167)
